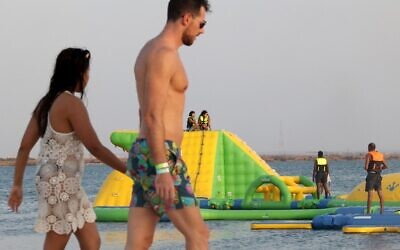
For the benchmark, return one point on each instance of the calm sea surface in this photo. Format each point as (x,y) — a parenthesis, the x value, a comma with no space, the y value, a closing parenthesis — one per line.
(16,230)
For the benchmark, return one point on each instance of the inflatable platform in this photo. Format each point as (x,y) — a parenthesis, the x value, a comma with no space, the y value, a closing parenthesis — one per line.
(232,182)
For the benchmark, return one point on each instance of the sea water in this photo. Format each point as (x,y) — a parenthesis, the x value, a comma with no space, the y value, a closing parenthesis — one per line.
(16,230)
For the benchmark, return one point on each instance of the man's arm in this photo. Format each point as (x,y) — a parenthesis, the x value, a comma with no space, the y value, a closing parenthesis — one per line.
(314,170)
(158,76)
(385,165)
(157,83)
(367,159)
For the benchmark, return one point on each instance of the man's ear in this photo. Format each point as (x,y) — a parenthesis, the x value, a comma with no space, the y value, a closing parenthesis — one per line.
(186,19)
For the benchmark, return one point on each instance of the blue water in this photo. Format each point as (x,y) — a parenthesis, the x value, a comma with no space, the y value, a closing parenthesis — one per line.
(16,230)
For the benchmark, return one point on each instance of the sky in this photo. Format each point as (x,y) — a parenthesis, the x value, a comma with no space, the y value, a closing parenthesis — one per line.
(287,76)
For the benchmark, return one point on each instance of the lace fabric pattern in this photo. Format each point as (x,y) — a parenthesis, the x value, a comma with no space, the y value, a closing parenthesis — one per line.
(63,204)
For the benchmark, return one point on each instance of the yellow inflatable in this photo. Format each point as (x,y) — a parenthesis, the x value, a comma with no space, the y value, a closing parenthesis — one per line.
(390,189)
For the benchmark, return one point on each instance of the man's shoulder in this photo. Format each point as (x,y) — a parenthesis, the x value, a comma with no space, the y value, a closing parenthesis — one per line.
(165,51)
(157,49)
(160,46)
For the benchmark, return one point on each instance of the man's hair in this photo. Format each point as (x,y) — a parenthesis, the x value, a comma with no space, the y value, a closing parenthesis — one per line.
(320,153)
(191,112)
(176,8)
(371,146)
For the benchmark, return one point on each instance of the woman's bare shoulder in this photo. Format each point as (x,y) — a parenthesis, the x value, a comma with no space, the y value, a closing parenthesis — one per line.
(66,102)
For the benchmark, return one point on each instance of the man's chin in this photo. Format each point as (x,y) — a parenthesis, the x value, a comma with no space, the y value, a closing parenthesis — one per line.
(188,43)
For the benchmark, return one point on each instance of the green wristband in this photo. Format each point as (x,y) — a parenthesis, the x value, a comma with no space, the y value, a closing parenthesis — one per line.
(162,165)
(162,170)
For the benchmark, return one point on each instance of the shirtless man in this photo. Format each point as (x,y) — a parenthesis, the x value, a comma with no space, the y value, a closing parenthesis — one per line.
(161,181)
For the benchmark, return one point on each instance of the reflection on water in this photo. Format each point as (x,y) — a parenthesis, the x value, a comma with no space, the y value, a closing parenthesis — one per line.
(16,230)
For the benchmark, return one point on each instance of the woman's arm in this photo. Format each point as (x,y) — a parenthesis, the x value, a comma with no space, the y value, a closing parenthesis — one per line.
(31,136)
(79,119)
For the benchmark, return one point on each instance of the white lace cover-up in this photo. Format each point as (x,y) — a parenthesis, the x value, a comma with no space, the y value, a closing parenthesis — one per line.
(63,204)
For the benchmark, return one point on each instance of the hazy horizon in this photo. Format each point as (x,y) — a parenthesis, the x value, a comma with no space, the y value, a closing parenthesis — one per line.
(286,76)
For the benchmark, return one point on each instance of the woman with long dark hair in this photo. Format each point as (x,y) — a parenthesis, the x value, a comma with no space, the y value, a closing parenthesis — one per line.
(61,120)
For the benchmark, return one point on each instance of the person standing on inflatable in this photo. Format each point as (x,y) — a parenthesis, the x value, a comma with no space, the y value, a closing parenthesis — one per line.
(320,174)
(374,164)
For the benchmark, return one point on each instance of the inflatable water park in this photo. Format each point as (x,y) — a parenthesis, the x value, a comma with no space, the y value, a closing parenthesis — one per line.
(232,182)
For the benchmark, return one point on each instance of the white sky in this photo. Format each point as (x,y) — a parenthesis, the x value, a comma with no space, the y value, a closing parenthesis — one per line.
(287,76)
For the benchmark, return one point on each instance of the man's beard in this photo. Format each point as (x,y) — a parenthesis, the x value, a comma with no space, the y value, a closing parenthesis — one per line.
(187,40)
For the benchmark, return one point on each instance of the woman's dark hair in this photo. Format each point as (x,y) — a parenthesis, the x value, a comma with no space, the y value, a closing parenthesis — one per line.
(176,8)
(71,66)
(203,112)
(191,112)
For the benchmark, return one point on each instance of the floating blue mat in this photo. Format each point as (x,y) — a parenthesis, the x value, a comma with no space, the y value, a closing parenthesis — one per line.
(331,221)
(338,221)
(377,219)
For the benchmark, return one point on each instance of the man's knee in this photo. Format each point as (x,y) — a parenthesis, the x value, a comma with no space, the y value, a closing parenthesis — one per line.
(205,232)
(201,234)
(142,242)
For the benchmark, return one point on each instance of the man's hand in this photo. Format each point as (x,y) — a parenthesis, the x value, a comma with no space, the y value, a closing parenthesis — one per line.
(165,187)
(15,198)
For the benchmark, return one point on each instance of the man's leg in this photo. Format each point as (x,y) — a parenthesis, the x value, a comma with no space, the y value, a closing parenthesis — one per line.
(327,191)
(141,226)
(319,189)
(369,201)
(381,201)
(189,222)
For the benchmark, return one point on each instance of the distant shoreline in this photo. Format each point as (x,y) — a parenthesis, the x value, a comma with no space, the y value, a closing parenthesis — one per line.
(10,161)
(32,161)
(331,157)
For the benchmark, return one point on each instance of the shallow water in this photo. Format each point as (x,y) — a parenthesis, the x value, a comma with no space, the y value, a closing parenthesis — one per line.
(16,230)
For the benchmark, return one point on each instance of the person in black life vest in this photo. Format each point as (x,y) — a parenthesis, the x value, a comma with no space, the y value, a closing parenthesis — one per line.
(204,121)
(374,164)
(191,124)
(320,174)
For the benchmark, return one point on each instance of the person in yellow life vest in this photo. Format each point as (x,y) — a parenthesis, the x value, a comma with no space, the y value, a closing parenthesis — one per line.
(191,124)
(374,164)
(320,175)
(204,121)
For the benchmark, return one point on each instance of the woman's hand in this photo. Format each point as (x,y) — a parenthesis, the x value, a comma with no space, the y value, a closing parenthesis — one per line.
(15,198)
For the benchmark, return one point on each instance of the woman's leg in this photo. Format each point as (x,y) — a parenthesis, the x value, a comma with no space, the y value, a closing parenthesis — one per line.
(88,237)
(55,241)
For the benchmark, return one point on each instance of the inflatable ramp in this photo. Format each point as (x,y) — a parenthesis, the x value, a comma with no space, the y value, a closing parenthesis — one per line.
(219,163)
